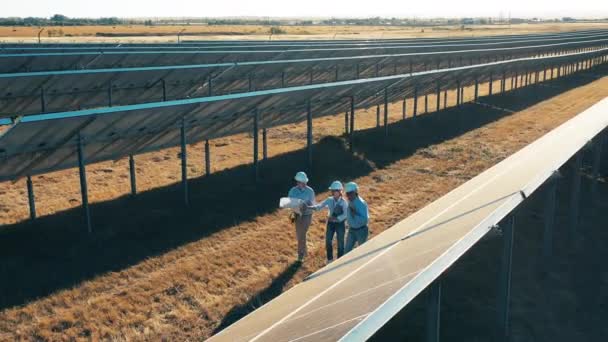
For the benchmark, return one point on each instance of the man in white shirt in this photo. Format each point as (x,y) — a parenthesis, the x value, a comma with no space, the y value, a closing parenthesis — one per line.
(336,217)
(307,195)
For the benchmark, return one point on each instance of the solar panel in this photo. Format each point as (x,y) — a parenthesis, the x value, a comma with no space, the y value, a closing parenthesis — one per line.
(29,93)
(260,45)
(42,143)
(28,62)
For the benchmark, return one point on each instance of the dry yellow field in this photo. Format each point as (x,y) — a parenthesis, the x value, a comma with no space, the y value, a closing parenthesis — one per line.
(141,33)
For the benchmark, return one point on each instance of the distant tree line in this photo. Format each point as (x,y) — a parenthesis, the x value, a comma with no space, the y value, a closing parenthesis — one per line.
(62,20)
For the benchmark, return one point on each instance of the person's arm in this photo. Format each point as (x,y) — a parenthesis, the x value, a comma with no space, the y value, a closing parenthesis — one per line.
(342,217)
(320,205)
(291,193)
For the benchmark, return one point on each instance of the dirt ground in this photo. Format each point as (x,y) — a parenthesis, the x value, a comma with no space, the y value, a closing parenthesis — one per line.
(167,33)
(156,270)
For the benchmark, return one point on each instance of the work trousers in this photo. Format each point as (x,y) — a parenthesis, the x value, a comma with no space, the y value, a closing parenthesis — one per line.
(302,225)
(356,235)
(337,228)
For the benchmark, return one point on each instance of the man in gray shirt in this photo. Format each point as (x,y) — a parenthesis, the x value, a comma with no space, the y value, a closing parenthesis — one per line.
(307,195)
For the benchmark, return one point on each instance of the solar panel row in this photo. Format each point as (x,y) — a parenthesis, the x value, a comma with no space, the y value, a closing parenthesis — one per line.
(30,62)
(37,92)
(42,143)
(252,44)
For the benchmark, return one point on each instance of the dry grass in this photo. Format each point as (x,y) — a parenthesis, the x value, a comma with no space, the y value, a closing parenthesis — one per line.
(126,33)
(186,289)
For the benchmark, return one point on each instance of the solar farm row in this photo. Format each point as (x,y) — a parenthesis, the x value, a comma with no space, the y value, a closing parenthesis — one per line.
(256,44)
(41,143)
(28,62)
(26,93)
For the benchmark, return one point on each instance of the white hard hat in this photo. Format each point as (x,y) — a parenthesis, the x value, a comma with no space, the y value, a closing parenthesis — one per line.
(351,186)
(301,177)
(335,185)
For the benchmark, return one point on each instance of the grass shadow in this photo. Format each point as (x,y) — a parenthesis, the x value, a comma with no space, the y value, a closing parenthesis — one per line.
(264,296)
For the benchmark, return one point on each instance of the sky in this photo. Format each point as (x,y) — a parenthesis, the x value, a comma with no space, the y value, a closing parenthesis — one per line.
(307,8)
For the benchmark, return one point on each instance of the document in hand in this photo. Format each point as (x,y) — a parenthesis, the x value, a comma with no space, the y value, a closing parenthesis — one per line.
(294,204)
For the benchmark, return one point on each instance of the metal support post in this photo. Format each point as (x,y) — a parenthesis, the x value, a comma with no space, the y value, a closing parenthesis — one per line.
(346,122)
(30,197)
(83,184)
(264,144)
(476,89)
(415,101)
(386,112)
(575,192)
(595,168)
(132,175)
(309,134)
(256,118)
(433,312)
(184,158)
(438,97)
(378,115)
(549,217)
(352,124)
(504,289)
(207,158)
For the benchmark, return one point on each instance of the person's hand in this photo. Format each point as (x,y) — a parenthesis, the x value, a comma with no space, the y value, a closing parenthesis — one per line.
(332,219)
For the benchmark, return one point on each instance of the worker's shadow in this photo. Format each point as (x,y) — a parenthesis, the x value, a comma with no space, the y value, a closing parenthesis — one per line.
(54,252)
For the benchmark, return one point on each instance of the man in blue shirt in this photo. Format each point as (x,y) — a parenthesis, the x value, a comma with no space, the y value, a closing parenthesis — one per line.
(357,217)
(307,195)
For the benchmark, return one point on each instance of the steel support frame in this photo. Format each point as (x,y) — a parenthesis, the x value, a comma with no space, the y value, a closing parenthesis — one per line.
(595,167)
(433,312)
(575,194)
(549,217)
(504,285)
